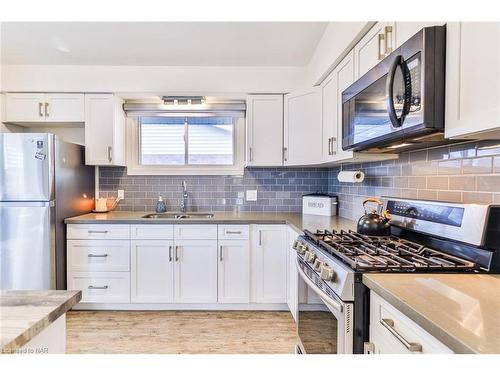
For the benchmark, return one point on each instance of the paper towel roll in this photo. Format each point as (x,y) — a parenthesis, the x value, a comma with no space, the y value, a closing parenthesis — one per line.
(351,176)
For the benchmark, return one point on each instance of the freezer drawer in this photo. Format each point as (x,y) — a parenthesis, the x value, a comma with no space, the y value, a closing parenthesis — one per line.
(27,250)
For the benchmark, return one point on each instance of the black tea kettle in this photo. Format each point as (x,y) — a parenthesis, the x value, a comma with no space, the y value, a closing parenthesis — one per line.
(375,223)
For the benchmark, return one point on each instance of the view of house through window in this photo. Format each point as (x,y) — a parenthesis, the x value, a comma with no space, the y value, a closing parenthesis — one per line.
(186,141)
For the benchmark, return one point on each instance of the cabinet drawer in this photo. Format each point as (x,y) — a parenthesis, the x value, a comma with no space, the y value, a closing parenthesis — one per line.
(152,232)
(98,255)
(394,331)
(233,232)
(98,231)
(101,287)
(195,232)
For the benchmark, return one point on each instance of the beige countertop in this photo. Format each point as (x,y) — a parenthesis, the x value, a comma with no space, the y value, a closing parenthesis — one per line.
(297,221)
(24,314)
(461,311)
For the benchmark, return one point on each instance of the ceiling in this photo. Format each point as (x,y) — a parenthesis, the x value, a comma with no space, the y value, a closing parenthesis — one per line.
(160,43)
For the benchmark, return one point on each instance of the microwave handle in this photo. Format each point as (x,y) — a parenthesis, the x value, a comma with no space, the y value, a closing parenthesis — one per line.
(396,121)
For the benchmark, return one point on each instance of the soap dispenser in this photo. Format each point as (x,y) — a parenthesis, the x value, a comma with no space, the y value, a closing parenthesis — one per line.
(160,205)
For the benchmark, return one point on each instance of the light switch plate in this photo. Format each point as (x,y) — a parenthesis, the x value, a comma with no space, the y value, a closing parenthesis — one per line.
(121,194)
(251,195)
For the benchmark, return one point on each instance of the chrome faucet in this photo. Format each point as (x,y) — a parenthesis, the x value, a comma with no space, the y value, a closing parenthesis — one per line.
(184,202)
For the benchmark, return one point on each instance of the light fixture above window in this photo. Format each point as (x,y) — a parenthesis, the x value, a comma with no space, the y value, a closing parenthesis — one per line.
(183,100)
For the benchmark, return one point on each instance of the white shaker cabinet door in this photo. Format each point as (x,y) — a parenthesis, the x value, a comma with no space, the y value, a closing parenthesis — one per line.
(269,264)
(302,130)
(234,271)
(65,108)
(24,107)
(472,80)
(195,271)
(374,47)
(265,130)
(152,266)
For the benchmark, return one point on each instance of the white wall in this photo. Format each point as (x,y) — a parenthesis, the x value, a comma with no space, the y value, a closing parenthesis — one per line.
(337,40)
(205,80)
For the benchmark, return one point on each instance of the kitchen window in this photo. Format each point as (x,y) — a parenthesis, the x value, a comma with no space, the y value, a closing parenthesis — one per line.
(196,145)
(186,141)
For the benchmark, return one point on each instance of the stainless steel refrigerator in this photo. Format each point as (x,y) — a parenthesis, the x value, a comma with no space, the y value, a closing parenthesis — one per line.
(43,180)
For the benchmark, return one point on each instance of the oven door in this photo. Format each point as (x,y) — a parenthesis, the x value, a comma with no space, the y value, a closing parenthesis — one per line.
(324,328)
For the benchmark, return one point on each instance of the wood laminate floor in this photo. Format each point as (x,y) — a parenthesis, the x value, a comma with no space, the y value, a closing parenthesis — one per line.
(170,332)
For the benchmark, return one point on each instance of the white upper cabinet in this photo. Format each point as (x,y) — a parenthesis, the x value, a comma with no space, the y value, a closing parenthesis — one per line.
(104,130)
(472,80)
(264,130)
(36,108)
(302,130)
(373,47)
(405,30)
(329,117)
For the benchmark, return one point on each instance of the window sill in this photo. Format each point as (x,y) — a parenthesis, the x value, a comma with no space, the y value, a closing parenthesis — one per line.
(195,171)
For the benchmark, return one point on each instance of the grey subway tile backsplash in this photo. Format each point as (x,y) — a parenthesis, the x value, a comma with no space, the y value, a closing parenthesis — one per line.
(278,189)
(468,172)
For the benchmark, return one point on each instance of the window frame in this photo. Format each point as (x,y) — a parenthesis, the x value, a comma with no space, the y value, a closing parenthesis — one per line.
(134,167)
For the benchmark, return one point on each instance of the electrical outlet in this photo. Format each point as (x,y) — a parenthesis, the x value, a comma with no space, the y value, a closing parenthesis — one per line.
(121,194)
(251,195)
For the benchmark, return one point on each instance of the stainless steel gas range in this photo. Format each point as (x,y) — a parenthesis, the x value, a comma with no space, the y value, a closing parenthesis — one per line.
(426,236)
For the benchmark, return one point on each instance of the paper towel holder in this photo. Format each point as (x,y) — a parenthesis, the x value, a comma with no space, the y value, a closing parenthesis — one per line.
(351,176)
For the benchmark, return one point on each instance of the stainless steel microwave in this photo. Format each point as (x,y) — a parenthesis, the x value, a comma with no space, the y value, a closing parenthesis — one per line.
(399,104)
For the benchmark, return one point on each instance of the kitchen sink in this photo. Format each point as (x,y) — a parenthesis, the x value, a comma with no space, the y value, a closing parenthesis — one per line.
(180,215)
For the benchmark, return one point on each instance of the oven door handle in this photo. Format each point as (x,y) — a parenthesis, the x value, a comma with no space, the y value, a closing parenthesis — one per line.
(396,121)
(325,297)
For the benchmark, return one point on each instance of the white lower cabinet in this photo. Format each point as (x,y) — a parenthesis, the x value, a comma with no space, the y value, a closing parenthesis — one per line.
(101,287)
(152,271)
(195,271)
(234,271)
(269,266)
(392,332)
(161,264)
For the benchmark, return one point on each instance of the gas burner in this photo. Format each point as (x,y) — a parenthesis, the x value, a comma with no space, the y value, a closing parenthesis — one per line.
(385,253)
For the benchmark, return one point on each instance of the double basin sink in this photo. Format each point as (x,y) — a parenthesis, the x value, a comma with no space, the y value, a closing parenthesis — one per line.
(180,215)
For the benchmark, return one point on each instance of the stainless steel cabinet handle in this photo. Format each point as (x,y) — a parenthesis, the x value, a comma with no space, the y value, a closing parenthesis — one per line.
(98,287)
(220,253)
(250,154)
(98,255)
(388,39)
(40,107)
(381,50)
(97,231)
(329,146)
(110,157)
(260,238)
(233,232)
(334,142)
(170,253)
(177,253)
(285,153)
(47,109)
(411,346)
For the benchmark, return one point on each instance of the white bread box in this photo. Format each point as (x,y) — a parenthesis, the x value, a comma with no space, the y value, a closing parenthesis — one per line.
(320,204)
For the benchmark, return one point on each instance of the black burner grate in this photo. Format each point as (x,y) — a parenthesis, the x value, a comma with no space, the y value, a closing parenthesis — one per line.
(386,253)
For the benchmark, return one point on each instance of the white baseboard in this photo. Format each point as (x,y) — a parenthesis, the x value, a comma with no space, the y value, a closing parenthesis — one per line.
(183,306)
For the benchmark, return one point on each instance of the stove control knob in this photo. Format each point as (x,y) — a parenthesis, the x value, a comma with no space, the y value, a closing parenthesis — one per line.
(295,244)
(326,273)
(317,265)
(310,257)
(302,249)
